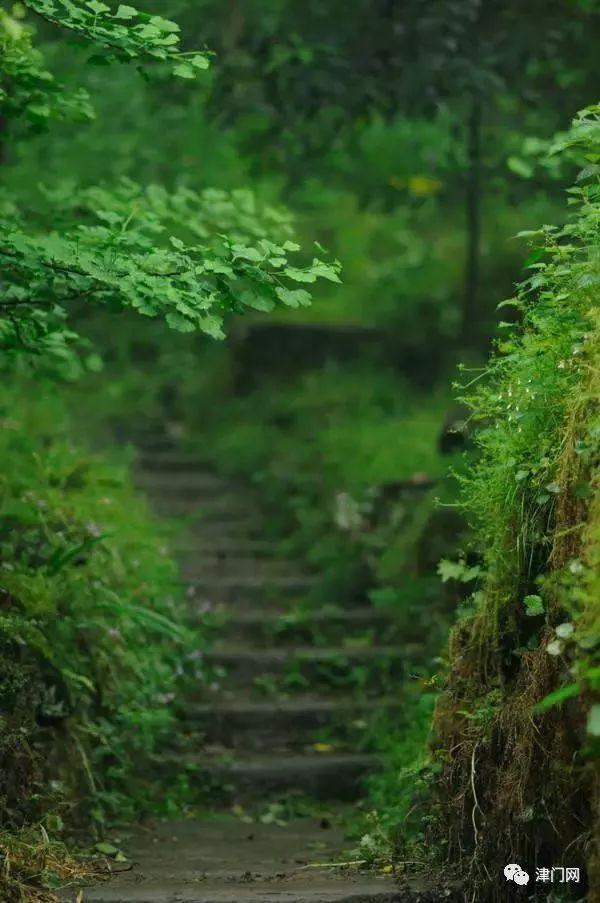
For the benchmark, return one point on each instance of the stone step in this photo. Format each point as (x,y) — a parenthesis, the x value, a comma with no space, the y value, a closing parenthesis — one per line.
(227,500)
(267,724)
(274,626)
(223,546)
(151,444)
(219,509)
(169,459)
(324,777)
(232,529)
(246,589)
(196,889)
(206,567)
(197,481)
(298,668)
(228,860)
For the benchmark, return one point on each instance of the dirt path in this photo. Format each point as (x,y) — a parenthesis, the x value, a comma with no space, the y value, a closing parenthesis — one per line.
(293,692)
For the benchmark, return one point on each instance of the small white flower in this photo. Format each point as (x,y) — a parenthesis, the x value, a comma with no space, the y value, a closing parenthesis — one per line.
(564,631)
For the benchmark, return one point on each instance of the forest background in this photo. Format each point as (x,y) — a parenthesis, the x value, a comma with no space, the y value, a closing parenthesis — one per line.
(411,144)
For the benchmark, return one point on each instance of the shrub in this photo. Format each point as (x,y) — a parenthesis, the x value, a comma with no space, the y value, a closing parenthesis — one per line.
(92,633)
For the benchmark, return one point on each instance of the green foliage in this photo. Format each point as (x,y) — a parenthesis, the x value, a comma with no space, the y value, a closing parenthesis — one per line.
(90,618)
(533,605)
(321,449)
(334,111)
(28,89)
(399,790)
(528,387)
(142,248)
(124,34)
(457,570)
(139,248)
(532,496)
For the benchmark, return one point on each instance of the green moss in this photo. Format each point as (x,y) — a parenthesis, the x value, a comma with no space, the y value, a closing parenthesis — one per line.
(512,771)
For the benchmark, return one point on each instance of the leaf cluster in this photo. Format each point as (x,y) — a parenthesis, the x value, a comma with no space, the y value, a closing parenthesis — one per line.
(28,90)
(124,34)
(159,253)
(189,258)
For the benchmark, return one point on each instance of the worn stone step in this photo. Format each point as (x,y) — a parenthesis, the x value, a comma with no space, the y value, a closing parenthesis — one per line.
(198,543)
(275,626)
(211,566)
(325,777)
(218,517)
(229,528)
(350,889)
(226,501)
(227,860)
(297,668)
(248,588)
(261,724)
(170,459)
(154,444)
(197,481)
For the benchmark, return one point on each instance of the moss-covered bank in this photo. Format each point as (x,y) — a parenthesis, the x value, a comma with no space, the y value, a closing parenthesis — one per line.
(518,723)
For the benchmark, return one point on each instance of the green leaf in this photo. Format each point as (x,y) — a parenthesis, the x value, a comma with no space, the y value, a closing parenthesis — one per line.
(293,297)
(257,301)
(61,557)
(457,570)
(534,606)
(199,61)
(54,823)
(184,70)
(300,275)
(97,7)
(558,696)
(593,721)
(520,167)
(107,849)
(164,25)
(80,679)
(325,271)
(245,253)
(126,12)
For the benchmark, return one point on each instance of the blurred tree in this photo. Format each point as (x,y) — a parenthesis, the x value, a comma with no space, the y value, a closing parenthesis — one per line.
(295,79)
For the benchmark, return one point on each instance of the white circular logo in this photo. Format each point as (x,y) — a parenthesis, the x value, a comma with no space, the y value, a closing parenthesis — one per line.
(520,877)
(514,872)
(510,869)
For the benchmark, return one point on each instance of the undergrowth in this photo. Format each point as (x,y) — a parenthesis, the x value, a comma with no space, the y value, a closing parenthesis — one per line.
(347,457)
(33,866)
(93,639)
(518,721)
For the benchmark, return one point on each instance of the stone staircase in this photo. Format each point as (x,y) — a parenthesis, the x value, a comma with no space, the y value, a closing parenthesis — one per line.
(294,688)
(293,692)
